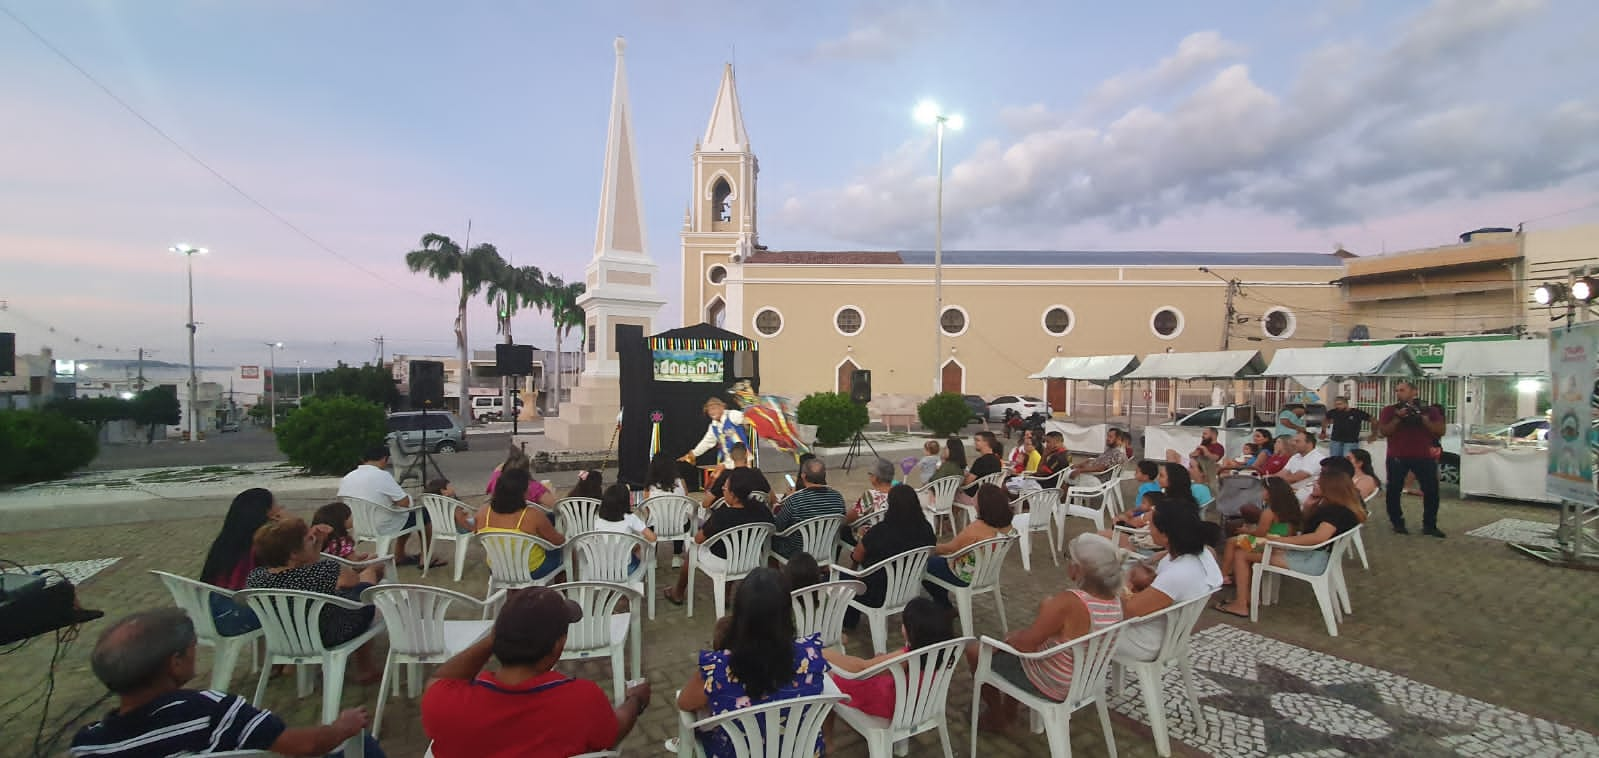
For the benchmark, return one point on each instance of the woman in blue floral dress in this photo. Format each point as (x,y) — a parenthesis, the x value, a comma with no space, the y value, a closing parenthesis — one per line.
(758,660)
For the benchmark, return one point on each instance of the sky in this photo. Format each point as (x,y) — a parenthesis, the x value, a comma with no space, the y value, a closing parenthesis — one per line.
(317,142)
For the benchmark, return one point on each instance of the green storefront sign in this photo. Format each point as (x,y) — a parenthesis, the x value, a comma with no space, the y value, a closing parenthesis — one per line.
(1429,351)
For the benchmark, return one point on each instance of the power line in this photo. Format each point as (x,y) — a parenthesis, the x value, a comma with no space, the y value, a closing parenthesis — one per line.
(197,160)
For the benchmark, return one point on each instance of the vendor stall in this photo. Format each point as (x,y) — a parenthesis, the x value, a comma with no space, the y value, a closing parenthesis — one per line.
(1226,365)
(1103,370)
(1505,452)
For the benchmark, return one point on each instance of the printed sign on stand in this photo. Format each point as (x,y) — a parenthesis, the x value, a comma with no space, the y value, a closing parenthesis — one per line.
(1572,356)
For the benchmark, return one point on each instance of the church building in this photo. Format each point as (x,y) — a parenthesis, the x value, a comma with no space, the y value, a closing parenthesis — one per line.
(819,315)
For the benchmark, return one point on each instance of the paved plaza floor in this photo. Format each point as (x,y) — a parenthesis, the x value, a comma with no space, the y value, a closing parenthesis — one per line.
(1455,647)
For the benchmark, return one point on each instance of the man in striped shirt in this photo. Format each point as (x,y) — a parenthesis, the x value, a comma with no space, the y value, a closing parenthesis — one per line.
(814,498)
(145,659)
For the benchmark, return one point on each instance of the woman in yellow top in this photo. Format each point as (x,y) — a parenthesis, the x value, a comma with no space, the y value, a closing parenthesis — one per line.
(509,512)
(993,520)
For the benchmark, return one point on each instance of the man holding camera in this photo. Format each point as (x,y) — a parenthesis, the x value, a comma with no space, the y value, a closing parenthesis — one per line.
(1410,428)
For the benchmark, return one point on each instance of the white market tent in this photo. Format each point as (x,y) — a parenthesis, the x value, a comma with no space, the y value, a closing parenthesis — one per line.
(1497,358)
(1099,369)
(1226,364)
(1314,366)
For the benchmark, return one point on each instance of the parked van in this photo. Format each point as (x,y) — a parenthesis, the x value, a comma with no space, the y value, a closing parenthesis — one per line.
(445,434)
(488,407)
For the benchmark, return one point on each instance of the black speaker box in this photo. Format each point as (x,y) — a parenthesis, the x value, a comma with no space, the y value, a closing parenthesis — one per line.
(860,386)
(427,384)
(8,354)
(513,360)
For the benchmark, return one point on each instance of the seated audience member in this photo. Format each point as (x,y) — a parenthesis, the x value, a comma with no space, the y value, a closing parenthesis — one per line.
(1305,464)
(1207,450)
(1280,518)
(465,522)
(232,557)
(903,528)
(812,500)
(742,508)
(291,559)
(989,452)
(1365,477)
(525,708)
(339,522)
(741,460)
(923,623)
(1026,458)
(879,481)
(616,515)
(508,512)
(1281,451)
(372,482)
(929,462)
(1146,474)
(1335,513)
(1177,485)
(758,661)
(954,463)
(1201,483)
(663,479)
(590,484)
(1115,455)
(145,659)
(1056,457)
(802,571)
(1095,566)
(1187,571)
(993,520)
(516,460)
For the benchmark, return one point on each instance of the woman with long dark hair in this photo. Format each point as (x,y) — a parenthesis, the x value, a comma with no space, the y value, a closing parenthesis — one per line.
(590,484)
(759,660)
(1187,571)
(954,459)
(231,557)
(1280,518)
(1337,510)
(1179,485)
(508,511)
(904,527)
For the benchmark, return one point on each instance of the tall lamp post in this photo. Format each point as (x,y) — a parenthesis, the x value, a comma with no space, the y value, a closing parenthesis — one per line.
(272,371)
(188,252)
(298,365)
(928,112)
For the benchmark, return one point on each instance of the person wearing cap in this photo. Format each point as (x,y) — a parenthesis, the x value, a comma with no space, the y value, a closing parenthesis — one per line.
(525,709)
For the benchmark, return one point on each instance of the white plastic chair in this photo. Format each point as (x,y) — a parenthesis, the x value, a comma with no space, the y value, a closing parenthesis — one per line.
(989,557)
(1035,512)
(1091,656)
(576,515)
(355,747)
(671,517)
(1326,585)
(507,554)
(817,536)
(938,500)
(1174,650)
(194,597)
(1357,542)
(921,692)
(419,633)
(441,511)
(857,529)
(902,575)
(997,479)
(603,632)
(291,621)
(820,608)
(746,548)
(604,557)
(795,723)
(1098,503)
(366,516)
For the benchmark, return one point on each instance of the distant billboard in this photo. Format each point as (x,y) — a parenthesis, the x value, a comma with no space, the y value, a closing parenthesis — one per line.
(249,372)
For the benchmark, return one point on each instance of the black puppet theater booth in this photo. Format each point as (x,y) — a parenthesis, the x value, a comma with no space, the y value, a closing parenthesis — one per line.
(665,380)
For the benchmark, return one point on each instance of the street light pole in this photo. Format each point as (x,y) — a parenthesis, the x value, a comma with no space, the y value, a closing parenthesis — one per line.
(928,112)
(272,371)
(297,365)
(188,252)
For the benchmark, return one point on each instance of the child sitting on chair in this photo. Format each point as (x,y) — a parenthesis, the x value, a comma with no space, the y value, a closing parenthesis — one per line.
(465,522)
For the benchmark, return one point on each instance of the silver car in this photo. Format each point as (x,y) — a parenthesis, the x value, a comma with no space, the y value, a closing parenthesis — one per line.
(444,431)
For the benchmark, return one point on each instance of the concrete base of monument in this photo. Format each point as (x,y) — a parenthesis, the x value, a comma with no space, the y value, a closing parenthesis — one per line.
(588,420)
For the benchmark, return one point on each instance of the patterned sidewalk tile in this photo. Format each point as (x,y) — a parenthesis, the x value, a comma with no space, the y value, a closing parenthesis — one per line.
(76,572)
(1539,533)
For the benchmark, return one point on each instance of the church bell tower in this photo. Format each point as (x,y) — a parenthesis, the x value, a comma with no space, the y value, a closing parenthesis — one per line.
(719,228)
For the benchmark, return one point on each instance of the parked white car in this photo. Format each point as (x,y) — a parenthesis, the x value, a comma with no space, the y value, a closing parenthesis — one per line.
(1026,405)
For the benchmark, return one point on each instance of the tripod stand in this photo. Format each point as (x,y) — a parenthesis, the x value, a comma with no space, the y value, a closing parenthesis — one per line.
(423,457)
(855,449)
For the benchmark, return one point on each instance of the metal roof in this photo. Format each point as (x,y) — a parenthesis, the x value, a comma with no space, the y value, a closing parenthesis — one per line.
(1121,258)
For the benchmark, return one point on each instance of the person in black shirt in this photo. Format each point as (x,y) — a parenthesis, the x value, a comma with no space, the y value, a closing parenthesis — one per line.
(1342,428)
(989,450)
(1336,511)
(742,508)
(741,457)
(904,527)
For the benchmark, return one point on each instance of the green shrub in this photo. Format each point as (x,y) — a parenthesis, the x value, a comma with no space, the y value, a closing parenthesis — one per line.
(837,418)
(36,446)
(944,414)
(327,435)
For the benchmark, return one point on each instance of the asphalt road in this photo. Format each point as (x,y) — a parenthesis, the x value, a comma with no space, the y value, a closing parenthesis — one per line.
(257,445)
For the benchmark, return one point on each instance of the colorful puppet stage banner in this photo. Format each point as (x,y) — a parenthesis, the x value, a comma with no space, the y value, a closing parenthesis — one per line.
(688,366)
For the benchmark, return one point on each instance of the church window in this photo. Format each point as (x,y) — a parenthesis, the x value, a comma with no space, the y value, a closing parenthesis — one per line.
(721,199)
(1058,320)
(1166,322)
(953,321)
(768,322)
(848,320)
(717,274)
(1279,323)
(716,313)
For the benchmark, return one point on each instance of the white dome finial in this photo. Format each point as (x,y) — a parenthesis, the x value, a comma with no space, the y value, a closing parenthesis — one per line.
(621,45)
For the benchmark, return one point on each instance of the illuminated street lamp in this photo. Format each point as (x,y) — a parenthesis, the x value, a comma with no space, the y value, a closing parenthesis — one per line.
(272,371)
(188,252)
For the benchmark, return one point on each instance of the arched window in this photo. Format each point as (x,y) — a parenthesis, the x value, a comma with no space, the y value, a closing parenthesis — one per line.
(721,203)
(716,313)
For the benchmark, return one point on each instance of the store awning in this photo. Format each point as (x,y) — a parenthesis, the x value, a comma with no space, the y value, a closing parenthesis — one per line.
(1313,366)
(1507,358)
(1226,364)
(1100,369)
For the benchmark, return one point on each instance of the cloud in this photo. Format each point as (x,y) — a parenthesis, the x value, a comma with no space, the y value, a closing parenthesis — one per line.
(1358,132)
(881,32)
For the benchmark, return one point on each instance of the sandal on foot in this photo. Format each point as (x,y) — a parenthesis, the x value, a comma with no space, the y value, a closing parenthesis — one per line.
(1229,611)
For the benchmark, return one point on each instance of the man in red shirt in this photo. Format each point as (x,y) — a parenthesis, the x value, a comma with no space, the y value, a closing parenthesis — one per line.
(1209,449)
(1411,429)
(525,709)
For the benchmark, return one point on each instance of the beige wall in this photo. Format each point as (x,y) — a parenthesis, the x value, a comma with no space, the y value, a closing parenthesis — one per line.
(1550,255)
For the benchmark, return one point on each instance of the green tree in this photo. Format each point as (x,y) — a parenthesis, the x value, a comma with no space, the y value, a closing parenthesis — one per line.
(327,434)
(944,414)
(559,299)
(370,382)
(509,289)
(837,418)
(97,411)
(155,407)
(442,259)
(40,445)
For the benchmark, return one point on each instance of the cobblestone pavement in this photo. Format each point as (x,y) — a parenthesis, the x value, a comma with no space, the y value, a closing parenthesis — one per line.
(1456,646)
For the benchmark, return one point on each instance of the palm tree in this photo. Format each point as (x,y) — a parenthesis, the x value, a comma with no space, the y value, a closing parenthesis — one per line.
(560,299)
(440,258)
(508,289)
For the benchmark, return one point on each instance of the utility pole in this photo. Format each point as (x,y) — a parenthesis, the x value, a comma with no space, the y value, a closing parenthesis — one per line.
(139,385)
(1232,313)
(378,340)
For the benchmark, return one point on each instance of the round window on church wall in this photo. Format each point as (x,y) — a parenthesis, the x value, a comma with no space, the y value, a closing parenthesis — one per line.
(953,321)
(768,322)
(1058,320)
(848,320)
(717,274)
(1278,323)
(1166,322)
